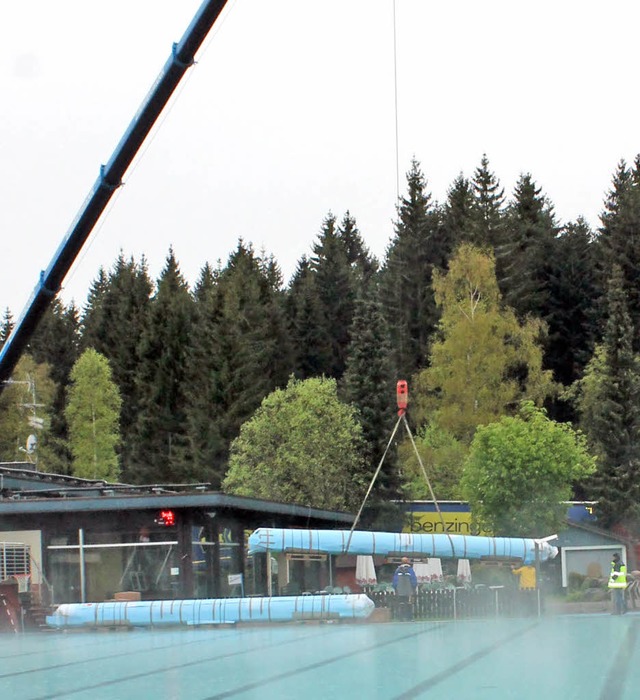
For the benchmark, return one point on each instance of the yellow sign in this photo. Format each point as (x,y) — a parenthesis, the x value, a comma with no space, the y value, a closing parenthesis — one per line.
(430,523)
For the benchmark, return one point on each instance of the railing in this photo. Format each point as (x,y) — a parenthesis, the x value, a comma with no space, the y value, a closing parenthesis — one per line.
(457,603)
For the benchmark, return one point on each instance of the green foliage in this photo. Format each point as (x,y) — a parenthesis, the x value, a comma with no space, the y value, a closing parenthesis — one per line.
(572,313)
(238,353)
(115,318)
(442,456)
(302,446)
(333,284)
(159,439)
(619,243)
(487,225)
(304,314)
(418,248)
(520,469)
(484,361)
(30,384)
(587,395)
(6,326)
(368,384)
(525,257)
(93,414)
(56,344)
(608,402)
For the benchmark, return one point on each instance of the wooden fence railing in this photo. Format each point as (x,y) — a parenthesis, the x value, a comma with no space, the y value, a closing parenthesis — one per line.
(457,603)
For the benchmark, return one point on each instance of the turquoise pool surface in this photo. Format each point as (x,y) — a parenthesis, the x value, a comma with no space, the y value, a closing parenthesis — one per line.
(573,656)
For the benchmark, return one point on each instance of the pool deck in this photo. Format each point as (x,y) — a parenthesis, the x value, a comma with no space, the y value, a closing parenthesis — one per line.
(564,657)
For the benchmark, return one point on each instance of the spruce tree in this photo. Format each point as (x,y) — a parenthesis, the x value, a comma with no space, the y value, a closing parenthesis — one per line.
(333,285)
(368,384)
(407,296)
(487,228)
(159,442)
(458,213)
(524,260)
(55,343)
(304,318)
(239,353)
(619,238)
(114,320)
(6,327)
(615,430)
(363,265)
(572,314)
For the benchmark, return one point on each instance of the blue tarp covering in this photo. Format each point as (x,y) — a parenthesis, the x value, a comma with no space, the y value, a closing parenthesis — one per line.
(399,543)
(159,613)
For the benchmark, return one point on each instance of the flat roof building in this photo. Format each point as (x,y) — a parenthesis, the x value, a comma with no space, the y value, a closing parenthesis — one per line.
(89,540)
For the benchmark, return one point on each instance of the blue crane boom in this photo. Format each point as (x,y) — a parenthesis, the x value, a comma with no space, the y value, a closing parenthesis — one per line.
(110,178)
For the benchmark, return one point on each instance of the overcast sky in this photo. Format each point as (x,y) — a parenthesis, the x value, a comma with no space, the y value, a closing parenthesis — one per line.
(290,114)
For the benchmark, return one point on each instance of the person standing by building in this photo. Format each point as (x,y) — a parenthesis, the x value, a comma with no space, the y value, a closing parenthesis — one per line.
(527,576)
(527,587)
(618,584)
(405,583)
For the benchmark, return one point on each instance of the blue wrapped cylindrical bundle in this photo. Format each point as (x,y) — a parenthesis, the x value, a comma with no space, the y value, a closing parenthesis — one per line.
(211,611)
(399,544)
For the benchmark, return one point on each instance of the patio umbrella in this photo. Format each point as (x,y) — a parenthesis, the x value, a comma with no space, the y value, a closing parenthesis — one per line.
(464,571)
(365,571)
(427,571)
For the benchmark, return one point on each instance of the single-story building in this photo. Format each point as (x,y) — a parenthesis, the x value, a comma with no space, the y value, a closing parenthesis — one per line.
(77,540)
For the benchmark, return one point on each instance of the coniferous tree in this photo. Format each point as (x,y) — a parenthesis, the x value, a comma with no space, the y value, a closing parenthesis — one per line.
(333,285)
(487,228)
(114,320)
(458,213)
(619,239)
(363,265)
(56,344)
(572,307)
(368,384)
(406,292)
(524,259)
(159,444)
(304,320)
(6,327)
(205,379)
(239,353)
(615,426)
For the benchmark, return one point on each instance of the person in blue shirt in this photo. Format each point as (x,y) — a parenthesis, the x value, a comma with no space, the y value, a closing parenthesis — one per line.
(405,583)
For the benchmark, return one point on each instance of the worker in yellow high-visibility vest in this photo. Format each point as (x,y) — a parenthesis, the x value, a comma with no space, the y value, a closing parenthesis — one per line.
(527,587)
(618,584)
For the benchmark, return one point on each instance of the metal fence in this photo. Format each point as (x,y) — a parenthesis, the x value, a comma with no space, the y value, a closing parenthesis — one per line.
(457,603)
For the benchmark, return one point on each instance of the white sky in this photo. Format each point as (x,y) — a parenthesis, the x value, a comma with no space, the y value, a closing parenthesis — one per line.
(289,113)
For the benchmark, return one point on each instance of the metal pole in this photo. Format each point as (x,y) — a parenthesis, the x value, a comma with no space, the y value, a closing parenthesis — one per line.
(269,584)
(83,582)
(537,549)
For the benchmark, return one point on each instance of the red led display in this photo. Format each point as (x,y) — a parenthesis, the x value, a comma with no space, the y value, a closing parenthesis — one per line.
(166,517)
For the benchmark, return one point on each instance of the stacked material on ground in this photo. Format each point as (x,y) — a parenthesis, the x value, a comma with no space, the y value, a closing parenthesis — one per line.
(212,611)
